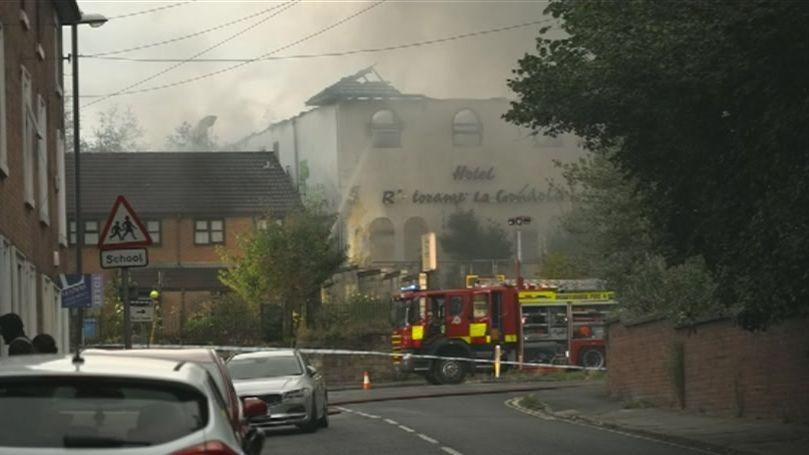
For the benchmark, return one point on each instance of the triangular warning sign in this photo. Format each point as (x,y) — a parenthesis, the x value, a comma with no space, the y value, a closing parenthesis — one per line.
(123,229)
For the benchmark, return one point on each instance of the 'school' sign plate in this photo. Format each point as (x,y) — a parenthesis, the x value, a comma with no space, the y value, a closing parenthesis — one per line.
(113,259)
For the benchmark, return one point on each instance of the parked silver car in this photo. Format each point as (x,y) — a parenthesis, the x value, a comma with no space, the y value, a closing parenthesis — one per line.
(108,404)
(295,392)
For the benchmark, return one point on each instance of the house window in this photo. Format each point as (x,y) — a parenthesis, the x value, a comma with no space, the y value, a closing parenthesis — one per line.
(466,129)
(42,162)
(3,133)
(153,226)
(57,54)
(28,136)
(207,232)
(91,233)
(386,131)
(72,237)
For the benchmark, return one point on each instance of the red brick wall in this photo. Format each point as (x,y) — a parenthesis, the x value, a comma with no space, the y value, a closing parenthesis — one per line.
(725,370)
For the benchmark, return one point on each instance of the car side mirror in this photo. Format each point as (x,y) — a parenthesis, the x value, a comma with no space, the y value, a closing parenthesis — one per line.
(311,370)
(254,407)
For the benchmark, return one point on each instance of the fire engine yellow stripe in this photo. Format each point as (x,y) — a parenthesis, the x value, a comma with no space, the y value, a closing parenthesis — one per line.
(477,330)
(417,332)
(511,338)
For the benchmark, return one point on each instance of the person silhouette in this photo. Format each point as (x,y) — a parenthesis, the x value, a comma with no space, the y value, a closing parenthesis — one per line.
(129,228)
(11,329)
(116,231)
(44,344)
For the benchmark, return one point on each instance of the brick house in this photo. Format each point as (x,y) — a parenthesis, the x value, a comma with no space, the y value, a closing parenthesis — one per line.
(192,203)
(33,232)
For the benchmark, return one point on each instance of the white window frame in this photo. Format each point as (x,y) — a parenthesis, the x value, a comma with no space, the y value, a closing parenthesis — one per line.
(28,132)
(57,55)
(61,191)
(3,129)
(156,235)
(6,274)
(43,185)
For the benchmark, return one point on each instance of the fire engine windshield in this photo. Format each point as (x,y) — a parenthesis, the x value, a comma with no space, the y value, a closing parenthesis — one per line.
(407,311)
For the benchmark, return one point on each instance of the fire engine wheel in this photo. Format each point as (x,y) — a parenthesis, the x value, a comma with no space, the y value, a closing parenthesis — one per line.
(592,358)
(450,371)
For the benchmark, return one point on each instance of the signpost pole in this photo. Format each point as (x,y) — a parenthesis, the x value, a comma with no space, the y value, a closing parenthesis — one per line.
(127,319)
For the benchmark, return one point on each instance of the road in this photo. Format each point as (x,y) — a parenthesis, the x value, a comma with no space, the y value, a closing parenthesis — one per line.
(468,425)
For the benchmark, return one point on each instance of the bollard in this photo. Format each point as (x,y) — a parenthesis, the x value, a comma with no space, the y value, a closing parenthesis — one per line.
(497,354)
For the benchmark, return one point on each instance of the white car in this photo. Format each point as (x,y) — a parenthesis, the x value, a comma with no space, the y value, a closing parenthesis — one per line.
(294,391)
(109,405)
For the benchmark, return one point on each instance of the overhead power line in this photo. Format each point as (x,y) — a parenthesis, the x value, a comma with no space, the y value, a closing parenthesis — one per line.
(330,54)
(151,10)
(239,65)
(280,9)
(184,37)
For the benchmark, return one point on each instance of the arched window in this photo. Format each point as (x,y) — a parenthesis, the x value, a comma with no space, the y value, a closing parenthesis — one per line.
(386,132)
(381,240)
(414,228)
(466,129)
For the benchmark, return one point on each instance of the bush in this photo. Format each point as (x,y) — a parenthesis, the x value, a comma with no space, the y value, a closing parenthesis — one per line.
(360,322)
(227,320)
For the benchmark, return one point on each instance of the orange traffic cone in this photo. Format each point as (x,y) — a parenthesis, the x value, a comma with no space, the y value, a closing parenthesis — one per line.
(366,381)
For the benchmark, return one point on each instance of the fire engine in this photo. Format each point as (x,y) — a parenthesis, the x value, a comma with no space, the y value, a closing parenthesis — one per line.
(545,321)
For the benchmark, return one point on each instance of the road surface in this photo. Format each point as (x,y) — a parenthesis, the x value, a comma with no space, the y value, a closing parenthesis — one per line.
(468,425)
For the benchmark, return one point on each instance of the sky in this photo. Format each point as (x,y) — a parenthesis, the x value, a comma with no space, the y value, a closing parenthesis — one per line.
(249,97)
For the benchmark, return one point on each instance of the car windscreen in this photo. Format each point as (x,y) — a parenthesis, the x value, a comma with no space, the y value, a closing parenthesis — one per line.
(264,367)
(97,412)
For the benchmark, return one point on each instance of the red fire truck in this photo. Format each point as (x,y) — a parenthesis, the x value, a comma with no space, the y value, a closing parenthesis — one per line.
(536,324)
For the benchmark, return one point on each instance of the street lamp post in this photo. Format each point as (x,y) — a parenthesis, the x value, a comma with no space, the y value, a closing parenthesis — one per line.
(93,20)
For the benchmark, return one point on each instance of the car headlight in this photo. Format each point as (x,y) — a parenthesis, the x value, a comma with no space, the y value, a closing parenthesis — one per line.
(294,394)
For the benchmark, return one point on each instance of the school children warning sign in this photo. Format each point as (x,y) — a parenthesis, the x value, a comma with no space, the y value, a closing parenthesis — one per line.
(123,230)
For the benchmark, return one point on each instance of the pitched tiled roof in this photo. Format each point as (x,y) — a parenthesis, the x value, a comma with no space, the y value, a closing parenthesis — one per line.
(194,183)
(357,86)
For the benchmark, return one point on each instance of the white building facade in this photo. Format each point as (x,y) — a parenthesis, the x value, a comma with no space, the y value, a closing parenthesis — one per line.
(396,166)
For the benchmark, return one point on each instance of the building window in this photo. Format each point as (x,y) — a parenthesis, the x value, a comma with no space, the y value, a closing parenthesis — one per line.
(42,162)
(90,233)
(466,129)
(57,54)
(3,134)
(72,236)
(386,132)
(28,136)
(153,226)
(61,192)
(207,232)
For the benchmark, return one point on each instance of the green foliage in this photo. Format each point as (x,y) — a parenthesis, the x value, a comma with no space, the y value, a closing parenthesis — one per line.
(285,264)
(111,313)
(702,106)
(558,265)
(465,238)
(611,237)
(225,320)
(117,130)
(360,322)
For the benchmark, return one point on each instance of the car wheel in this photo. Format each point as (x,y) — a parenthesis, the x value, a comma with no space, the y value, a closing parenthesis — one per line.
(323,422)
(312,423)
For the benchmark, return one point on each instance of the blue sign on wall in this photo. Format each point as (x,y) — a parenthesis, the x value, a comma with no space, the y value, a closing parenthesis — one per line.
(90,329)
(82,291)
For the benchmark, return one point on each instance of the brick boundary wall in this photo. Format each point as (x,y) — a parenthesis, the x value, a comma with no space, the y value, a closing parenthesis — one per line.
(714,367)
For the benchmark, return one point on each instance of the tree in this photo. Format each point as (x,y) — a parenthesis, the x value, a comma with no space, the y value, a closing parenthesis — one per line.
(702,105)
(116,131)
(285,264)
(187,137)
(610,237)
(466,239)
